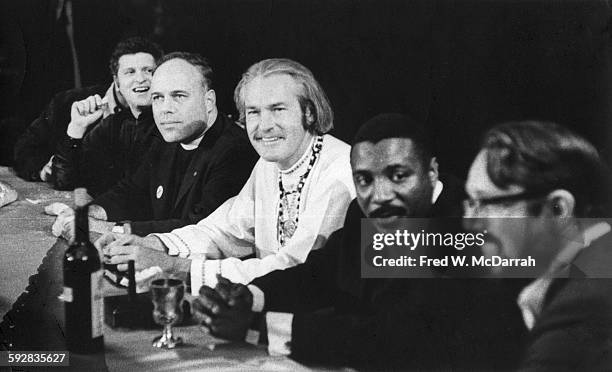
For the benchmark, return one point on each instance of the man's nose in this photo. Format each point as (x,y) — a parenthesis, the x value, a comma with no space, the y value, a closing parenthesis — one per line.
(166,106)
(266,120)
(383,191)
(142,76)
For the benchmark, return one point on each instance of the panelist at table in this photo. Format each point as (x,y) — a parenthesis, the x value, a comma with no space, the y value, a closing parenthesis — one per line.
(324,311)
(204,160)
(557,189)
(95,153)
(35,322)
(295,198)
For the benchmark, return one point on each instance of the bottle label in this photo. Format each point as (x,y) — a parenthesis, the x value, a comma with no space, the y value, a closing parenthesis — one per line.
(97,303)
(66,295)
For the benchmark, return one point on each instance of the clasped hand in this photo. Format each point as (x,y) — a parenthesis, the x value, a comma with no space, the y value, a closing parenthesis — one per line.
(118,249)
(226,310)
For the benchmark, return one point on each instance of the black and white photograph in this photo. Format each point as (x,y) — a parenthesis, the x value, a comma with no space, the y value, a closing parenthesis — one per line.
(305,185)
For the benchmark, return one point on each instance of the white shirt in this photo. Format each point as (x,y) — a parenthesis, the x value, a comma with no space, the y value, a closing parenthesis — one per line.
(279,324)
(247,223)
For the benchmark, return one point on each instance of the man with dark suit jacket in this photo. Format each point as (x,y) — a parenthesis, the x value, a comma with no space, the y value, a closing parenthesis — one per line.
(323,311)
(557,182)
(204,160)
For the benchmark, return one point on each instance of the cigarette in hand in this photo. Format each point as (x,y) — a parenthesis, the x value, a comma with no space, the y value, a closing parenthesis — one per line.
(103,104)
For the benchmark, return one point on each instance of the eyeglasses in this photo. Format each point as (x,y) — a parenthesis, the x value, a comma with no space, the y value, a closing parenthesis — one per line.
(474,205)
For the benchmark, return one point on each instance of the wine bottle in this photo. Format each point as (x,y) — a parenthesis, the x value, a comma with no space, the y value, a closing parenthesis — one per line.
(83,298)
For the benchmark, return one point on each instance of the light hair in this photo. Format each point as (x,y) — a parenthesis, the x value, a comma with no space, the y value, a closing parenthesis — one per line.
(197,61)
(311,98)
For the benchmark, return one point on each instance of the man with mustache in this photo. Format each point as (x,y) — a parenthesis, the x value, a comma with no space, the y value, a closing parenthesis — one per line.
(98,157)
(323,311)
(540,190)
(295,198)
(204,160)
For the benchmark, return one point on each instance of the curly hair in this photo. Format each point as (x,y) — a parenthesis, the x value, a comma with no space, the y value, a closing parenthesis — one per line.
(133,45)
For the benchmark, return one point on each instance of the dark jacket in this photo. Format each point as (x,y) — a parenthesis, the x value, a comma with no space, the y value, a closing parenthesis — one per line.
(435,323)
(221,165)
(112,150)
(574,329)
(39,141)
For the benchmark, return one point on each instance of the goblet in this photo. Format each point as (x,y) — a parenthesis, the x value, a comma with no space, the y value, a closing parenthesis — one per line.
(167,295)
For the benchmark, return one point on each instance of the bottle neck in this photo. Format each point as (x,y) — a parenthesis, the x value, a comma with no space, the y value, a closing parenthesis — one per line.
(81,224)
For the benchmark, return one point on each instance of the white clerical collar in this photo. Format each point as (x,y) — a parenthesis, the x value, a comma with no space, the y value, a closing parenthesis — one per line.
(439,186)
(196,142)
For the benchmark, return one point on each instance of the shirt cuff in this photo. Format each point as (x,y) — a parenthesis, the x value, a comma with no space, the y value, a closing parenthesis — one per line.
(209,272)
(196,276)
(204,272)
(176,246)
(258,298)
(279,333)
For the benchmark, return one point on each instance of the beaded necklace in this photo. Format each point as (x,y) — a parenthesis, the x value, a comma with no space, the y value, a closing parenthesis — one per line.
(288,210)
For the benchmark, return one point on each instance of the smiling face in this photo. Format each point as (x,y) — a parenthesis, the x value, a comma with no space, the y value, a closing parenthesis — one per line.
(133,79)
(391,181)
(181,104)
(275,120)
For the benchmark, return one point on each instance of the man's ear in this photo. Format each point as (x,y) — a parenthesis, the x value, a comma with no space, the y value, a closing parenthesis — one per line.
(309,115)
(210,100)
(432,172)
(116,81)
(560,203)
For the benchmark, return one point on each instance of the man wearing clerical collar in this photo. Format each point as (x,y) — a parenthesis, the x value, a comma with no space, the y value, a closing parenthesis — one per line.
(296,196)
(204,160)
(556,189)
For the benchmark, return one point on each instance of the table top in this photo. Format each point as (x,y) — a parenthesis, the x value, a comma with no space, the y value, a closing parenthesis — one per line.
(36,319)
(26,233)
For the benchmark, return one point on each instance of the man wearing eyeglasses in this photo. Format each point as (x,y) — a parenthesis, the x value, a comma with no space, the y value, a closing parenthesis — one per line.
(324,311)
(536,189)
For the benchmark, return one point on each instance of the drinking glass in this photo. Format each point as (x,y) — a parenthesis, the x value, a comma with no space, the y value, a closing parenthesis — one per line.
(167,295)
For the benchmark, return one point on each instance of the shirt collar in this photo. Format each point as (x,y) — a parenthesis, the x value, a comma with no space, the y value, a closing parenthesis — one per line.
(595,232)
(301,161)
(531,298)
(196,142)
(114,105)
(438,187)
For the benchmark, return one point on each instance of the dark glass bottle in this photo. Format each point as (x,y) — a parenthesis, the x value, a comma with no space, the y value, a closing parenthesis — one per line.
(82,295)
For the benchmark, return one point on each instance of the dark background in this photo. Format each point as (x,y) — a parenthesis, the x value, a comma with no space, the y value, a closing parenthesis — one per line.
(460,66)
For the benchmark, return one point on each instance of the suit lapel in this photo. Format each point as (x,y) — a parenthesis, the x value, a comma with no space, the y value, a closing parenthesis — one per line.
(192,173)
